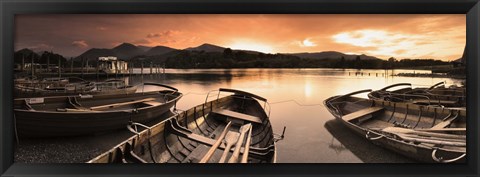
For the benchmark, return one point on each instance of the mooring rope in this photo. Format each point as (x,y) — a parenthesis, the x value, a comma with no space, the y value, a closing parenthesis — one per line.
(296,102)
(277,102)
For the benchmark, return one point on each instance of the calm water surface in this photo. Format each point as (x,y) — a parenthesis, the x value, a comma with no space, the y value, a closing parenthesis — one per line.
(296,97)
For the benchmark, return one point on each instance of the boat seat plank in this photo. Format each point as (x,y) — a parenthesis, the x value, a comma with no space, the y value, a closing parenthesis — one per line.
(120,104)
(361,113)
(152,103)
(238,115)
(441,125)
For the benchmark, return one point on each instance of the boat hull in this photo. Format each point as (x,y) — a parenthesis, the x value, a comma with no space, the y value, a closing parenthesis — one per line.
(416,151)
(53,123)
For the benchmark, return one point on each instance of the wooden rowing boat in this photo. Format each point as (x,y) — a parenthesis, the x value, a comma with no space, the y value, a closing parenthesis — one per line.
(109,87)
(89,114)
(425,133)
(197,135)
(436,95)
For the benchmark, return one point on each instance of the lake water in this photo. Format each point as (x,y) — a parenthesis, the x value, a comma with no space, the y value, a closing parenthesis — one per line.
(296,97)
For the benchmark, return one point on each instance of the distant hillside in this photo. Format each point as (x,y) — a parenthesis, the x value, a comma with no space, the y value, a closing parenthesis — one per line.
(127,51)
(159,50)
(43,58)
(207,48)
(94,53)
(144,48)
(333,55)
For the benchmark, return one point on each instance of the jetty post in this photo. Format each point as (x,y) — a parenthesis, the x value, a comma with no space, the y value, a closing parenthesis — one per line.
(97,70)
(32,68)
(48,63)
(83,62)
(151,68)
(59,68)
(142,69)
(87,65)
(116,70)
(23,63)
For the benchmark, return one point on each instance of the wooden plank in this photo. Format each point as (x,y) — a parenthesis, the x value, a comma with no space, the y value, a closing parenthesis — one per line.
(361,113)
(152,103)
(120,104)
(238,115)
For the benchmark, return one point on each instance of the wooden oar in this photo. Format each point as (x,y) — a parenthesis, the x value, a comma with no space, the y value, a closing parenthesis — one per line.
(247,147)
(423,133)
(212,149)
(120,104)
(236,152)
(230,138)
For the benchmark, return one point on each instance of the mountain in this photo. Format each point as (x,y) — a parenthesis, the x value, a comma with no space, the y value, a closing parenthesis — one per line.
(144,48)
(127,51)
(94,53)
(159,50)
(207,48)
(122,51)
(332,55)
(26,54)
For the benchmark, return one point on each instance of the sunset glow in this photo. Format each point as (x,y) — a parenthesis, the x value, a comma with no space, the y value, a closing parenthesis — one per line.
(400,36)
(254,46)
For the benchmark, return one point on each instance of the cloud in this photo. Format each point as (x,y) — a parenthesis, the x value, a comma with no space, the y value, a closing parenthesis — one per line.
(80,44)
(307,43)
(166,34)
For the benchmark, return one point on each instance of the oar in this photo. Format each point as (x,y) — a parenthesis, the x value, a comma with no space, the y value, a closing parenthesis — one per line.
(217,143)
(423,133)
(230,138)
(247,147)
(236,152)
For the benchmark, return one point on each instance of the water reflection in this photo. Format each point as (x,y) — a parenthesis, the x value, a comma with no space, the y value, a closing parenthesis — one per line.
(359,146)
(308,137)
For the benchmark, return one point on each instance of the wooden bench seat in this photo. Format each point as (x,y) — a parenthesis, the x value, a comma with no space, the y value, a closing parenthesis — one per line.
(361,113)
(237,115)
(109,106)
(152,103)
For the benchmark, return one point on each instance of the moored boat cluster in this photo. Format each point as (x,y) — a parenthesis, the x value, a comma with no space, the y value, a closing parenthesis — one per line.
(233,129)
(426,124)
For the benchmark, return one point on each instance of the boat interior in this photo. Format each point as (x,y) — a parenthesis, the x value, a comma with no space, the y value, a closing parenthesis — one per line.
(232,129)
(95,103)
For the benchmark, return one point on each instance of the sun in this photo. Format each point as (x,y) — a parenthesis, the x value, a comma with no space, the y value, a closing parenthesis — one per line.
(251,45)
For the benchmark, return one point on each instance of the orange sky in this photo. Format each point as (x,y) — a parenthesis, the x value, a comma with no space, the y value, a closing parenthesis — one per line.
(384,36)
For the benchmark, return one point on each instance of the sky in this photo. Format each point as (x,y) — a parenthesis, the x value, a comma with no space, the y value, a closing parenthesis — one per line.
(401,36)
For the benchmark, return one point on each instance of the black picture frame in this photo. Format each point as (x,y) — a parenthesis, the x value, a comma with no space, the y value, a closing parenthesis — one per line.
(9,8)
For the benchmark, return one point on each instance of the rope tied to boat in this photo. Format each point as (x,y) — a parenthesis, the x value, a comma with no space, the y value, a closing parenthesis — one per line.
(296,102)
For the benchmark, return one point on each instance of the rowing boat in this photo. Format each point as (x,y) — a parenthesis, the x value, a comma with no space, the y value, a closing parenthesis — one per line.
(436,95)
(424,133)
(89,114)
(197,135)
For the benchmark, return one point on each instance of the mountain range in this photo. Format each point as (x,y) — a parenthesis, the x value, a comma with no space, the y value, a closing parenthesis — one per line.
(128,51)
